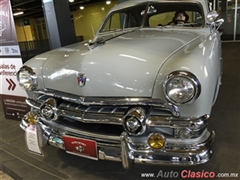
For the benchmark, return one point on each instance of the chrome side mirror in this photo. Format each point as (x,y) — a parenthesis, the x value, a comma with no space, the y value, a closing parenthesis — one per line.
(213,21)
(218,23)
(212,16)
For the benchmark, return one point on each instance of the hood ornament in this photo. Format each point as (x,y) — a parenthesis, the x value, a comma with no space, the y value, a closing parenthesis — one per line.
(81,79)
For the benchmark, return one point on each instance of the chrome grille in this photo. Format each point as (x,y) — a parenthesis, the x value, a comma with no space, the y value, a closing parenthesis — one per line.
(92,109)
(112,102)
(93,114)
(99,111)
(103,115)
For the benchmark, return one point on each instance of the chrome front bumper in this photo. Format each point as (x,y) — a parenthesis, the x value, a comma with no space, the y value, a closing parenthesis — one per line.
(124,150)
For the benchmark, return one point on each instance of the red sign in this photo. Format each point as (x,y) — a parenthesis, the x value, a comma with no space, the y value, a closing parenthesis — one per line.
(11,83)
(81,147)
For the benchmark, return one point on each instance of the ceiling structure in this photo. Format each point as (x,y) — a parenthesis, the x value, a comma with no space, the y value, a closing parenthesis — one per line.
(33,8)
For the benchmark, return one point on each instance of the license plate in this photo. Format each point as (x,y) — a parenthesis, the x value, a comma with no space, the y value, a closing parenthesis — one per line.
(80,147)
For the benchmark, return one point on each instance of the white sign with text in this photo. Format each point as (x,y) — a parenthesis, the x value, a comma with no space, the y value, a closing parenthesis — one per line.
(32,140)
(8,78)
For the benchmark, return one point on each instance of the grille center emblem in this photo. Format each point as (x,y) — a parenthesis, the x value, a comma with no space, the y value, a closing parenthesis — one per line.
(81,79)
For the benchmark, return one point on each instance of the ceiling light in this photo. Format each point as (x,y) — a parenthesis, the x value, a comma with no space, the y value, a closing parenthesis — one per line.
(108,2)
(71,1)
(18,13)
(81,7)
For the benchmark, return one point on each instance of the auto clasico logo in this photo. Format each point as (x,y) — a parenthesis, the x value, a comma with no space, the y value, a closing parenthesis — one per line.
(184,174)
(199,174)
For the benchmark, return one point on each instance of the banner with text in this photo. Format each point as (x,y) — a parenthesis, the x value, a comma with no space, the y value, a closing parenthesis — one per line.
(13,97)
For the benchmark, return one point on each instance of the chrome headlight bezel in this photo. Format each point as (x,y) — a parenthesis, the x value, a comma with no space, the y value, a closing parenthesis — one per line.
(186,76)
(29,82)
(134,122)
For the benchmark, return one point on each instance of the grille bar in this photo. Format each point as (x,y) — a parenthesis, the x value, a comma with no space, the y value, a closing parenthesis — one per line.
(111,101)
(93,109)
(93,114)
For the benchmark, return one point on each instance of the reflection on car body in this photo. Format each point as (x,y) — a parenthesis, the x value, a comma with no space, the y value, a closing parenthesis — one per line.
(139,92)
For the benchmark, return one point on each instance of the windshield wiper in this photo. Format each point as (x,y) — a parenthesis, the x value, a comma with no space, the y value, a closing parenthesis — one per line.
(102,40)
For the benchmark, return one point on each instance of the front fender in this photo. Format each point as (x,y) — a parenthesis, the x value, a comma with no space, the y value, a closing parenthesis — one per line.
(202,58)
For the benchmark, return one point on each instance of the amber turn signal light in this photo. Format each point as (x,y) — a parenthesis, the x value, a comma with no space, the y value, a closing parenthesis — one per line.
(156,141)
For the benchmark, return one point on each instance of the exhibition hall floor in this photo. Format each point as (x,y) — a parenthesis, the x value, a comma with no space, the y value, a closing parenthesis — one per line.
(57,164)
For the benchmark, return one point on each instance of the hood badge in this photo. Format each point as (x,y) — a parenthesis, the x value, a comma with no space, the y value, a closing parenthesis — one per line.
(81,79)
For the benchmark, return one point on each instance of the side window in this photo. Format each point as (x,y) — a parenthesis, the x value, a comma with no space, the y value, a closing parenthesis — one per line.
(197,18)
(114,22)
(132,22)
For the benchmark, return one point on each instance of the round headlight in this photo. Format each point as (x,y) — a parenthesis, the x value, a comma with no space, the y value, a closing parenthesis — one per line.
(182,87)
(27,79)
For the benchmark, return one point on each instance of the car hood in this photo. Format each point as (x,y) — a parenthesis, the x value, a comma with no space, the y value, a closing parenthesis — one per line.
(125,66)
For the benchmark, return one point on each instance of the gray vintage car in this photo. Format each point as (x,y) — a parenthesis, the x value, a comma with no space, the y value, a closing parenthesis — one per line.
(140,92)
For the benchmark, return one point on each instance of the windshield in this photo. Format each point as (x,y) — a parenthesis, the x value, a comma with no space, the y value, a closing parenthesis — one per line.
(154,15)
(124,19)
